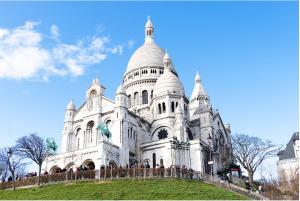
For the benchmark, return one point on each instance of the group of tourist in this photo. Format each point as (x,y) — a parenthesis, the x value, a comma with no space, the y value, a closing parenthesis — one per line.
(175,170)
(18,177)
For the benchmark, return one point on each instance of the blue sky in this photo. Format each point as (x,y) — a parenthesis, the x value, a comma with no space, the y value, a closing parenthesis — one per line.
(245,52)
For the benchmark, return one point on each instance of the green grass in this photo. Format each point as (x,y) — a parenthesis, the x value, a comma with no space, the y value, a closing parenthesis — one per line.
(124,190)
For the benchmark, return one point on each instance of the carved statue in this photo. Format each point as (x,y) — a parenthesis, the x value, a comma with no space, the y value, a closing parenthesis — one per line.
(51,145)
(104,130)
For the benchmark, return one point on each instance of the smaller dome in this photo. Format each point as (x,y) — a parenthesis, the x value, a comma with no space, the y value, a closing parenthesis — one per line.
(168,82)
(71,106)
(120,89)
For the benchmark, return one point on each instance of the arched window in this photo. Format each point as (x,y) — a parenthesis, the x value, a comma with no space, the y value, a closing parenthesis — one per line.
(78,138)
(176,104)
(136,98)
(129,100)
(92,99)
(163,107)
(153,160)
(145,97)
(159,108)
(172,107)
(151,96)
(89,131)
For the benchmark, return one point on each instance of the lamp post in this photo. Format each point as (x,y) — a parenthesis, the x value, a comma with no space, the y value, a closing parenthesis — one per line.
(209,138)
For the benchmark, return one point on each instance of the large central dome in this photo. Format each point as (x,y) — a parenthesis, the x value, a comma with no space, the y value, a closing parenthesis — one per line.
(149,54)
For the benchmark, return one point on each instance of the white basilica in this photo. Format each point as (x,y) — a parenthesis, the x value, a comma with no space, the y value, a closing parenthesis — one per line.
(151,119)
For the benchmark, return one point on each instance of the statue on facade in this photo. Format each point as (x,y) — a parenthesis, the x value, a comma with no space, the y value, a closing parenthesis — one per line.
(51,145)
(102,127)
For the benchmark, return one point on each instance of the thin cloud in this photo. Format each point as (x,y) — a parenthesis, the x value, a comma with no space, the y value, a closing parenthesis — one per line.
(130,43)
(54,32)
(23,55)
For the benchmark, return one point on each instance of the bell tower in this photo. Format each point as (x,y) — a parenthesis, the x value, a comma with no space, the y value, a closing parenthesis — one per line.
(149,30)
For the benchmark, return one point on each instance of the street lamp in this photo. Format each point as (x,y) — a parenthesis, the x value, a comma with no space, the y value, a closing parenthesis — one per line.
(209,138)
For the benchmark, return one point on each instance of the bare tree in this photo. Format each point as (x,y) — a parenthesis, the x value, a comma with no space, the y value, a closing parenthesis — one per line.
(35,148)
(2,169)
(12,161)
(250,152)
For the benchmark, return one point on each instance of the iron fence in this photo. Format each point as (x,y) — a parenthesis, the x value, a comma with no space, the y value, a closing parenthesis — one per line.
(110,173)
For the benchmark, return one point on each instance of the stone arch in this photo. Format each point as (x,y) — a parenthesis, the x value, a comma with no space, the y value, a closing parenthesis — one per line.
(220,134)
(159,108)
(189,134)
(154,157)
(156,131)
(77,136)
(172,106)
(163,107)
(93,93)
(89,131)
(108,121)
(221,143)
(144,97)
(70,165)
(88,164)
(55,169)
(136,98)
(93,98)
(129,100)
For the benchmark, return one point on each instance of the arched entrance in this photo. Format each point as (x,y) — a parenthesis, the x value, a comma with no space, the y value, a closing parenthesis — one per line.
(55,169)
(153,160)
(70,166)
(88,165)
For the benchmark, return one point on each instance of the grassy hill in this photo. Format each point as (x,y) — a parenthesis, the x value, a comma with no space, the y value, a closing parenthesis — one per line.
(124,189)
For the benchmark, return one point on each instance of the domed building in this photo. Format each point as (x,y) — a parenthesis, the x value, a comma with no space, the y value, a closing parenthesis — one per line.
(150,120)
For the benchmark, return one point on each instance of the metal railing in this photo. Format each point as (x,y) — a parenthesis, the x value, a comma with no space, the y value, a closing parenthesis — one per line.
(104,174)
(129,173)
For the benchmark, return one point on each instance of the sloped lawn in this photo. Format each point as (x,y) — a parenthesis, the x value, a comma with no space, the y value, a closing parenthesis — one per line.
(125,190)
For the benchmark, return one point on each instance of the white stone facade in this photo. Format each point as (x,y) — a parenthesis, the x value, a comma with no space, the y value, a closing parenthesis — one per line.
(288,163)
(151,119)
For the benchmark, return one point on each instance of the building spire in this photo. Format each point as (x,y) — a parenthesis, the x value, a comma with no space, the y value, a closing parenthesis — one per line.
(198,91)
(167,61)
(197,78)
(149,30)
